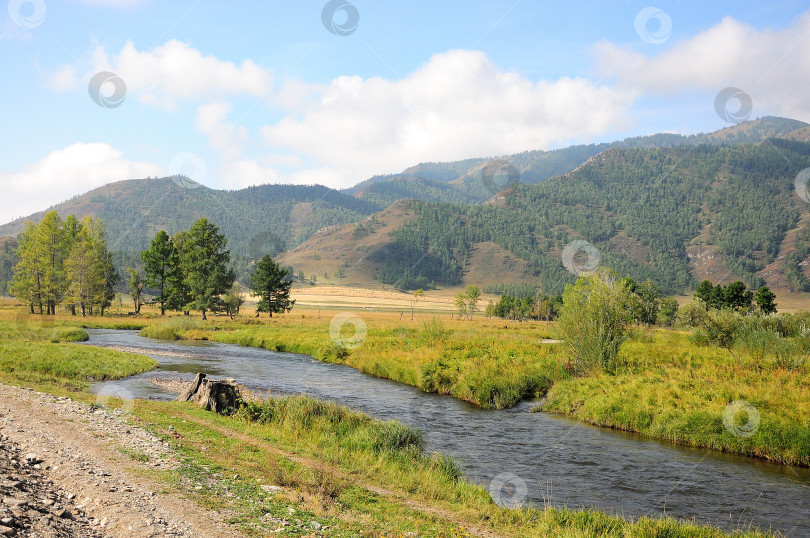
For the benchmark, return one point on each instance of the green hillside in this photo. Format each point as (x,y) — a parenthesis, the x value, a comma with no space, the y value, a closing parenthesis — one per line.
(463,178)
(642,208)
(257,220)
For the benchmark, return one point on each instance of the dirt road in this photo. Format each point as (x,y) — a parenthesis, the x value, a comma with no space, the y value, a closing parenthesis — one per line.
(67,470)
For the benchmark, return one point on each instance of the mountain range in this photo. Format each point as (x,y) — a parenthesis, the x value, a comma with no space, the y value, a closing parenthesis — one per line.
(668,207)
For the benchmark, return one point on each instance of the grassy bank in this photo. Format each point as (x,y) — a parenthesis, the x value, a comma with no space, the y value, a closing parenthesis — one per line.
(492,364)
(36,353)
(666,386)
(327,470)
(669,388)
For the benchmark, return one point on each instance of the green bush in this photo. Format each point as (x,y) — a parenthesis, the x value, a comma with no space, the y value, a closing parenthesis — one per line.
(594,320)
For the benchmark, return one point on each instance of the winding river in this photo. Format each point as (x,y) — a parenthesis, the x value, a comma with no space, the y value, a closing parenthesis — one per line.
(542,458)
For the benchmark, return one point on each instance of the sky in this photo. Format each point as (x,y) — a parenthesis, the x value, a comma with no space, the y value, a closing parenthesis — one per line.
(236,93)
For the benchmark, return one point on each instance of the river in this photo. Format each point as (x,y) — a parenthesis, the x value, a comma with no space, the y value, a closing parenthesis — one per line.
(538,458)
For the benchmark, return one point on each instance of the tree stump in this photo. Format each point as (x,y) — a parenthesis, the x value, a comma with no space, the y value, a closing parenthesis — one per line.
(218,396)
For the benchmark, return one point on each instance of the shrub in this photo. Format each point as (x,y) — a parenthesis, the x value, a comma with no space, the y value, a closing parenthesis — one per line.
(433,331)
(595,317)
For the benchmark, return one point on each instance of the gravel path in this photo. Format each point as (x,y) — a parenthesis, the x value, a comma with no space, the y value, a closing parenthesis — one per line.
(66,472)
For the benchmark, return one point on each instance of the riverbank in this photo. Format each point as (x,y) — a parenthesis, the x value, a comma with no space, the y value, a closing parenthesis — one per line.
(305,467)
(666,387)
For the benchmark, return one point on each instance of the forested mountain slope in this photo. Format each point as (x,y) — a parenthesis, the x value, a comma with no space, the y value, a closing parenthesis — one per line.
(256,220)
(462,179)
(669,214)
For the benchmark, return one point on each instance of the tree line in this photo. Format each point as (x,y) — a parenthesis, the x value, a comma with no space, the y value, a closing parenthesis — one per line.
(66,263)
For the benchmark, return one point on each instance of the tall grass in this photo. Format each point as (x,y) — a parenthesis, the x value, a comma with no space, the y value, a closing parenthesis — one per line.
(171,328)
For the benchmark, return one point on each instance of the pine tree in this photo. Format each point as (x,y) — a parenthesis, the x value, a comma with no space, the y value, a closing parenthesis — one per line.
(204,264)
(161,265)
(765,300)
(272,284)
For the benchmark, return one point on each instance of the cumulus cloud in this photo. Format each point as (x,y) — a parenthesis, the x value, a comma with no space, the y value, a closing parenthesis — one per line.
(64,173)
(460,104)
(767,64)
(170,72)
(225,137)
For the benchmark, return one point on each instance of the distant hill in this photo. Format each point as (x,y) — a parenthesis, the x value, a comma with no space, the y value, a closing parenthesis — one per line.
(267,218)
(670,207)
(462,180)
(675,215)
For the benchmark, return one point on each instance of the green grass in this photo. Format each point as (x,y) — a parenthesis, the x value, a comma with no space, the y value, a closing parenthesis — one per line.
(170,328)
(69,334)
(355,475)
(489,366)
(670,388)
(31,353)
(349,473)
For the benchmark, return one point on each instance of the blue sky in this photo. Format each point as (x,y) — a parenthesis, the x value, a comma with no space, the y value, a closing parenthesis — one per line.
(242,93)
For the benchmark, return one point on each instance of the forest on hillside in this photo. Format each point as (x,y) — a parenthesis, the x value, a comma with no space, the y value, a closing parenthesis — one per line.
(737,198)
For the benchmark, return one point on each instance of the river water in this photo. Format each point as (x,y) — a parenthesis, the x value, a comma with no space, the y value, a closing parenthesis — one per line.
(521,456)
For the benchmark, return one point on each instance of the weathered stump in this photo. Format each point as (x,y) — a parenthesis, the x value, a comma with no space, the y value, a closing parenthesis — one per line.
(218,396)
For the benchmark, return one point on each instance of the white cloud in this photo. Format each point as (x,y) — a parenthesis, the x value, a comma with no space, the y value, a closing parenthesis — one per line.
(767,64)
(225,137)
(173,71)
(458,105)
(244,173)
(64,173)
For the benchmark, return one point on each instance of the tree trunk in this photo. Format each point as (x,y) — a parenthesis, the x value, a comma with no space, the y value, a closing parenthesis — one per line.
(203,317)
(218,396)
(162,309)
